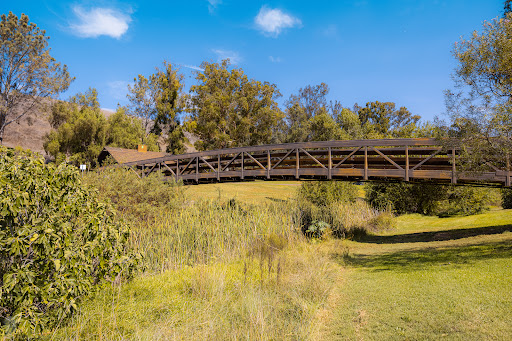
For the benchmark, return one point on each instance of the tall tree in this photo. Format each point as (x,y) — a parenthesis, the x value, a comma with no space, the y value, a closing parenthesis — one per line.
(28,73)
(382,120)
(481,118)
(228,109)
(157,100)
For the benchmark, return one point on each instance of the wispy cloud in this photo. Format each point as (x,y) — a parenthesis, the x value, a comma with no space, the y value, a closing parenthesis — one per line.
(330,31)
(233,56)
(95,22)
(274,59)
(212,5)
(272,21)
(193,67)
(118,89)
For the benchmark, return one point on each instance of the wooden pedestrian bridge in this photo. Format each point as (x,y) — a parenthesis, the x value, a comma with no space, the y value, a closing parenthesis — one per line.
(352,160)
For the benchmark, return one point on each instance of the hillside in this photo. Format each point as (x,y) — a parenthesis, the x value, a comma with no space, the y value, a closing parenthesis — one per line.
(30,130)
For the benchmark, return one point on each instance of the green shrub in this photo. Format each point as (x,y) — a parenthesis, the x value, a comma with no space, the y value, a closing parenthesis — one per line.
(506,198)
(327,192)
(57,243)
(134,197)
(430,199)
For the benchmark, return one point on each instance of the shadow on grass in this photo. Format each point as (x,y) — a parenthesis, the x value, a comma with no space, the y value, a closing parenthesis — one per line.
(435,236)
(419,259)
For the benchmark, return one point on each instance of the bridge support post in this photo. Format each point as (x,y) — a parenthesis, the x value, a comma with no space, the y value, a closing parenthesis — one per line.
(297,165)
(242,166)
(177,169)
(366,162)
(406,163)
(269,165)
(218,167)
(507,177)
(329,152)
(197,169)
(454,175)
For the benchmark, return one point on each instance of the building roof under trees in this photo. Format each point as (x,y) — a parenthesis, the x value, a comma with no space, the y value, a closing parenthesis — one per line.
(122,155)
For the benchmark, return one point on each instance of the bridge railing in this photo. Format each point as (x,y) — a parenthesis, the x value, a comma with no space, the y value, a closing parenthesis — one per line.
(380,159)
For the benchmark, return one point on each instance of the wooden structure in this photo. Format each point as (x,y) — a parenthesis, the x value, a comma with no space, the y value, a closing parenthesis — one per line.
(354,160)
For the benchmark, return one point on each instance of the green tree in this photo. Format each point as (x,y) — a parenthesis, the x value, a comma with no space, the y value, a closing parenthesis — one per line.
(382,120)
(28,73)
(481,118)
(228,109)
(310,118)
(156,101)
(126,131)
(81,130)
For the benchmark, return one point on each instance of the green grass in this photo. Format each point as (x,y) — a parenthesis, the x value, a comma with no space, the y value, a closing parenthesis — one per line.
(432,278)
(253,192)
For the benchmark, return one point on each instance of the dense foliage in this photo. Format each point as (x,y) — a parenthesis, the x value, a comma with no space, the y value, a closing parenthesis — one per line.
(57,242)
(81,130)
(430,199)
(229,110)
(327,192)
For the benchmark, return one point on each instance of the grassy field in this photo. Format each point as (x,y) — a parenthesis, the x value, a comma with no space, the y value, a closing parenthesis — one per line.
(229,273)
(433,278)
(253,192)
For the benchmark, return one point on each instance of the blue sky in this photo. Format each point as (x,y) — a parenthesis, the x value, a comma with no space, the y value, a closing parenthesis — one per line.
(365,50)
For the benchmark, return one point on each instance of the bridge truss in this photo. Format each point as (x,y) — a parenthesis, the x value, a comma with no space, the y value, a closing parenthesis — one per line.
(354,160)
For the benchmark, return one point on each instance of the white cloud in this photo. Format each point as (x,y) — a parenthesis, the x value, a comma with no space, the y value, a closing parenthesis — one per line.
(274,59)
(96,22)
(193,67)
(212,5)
(233,56)
(273,21)
(118,89)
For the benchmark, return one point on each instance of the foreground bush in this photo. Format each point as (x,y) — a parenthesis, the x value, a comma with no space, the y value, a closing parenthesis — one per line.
(57,242)
(327,192)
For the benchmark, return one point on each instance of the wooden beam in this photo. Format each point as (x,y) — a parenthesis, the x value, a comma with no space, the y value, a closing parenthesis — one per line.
(387,158)
(281,160)
(427,159)
(242,165)
(329,151)
(257,162)
(230,162)
(218,167)
(297,164)
(314,158)
(170,170)
(349,155)
(366,162)
(208,164)
(406,163)
(454,175)
(269,164)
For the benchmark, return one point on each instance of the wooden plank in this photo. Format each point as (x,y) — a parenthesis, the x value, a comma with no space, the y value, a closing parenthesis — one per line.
(269,164)
(454,175)
(169,168)
(297,165)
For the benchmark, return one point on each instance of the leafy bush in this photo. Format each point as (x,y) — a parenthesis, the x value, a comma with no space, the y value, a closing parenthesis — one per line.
(506,198)
(57,242)
(325,208)
(429,199)
(327,192)
(134,197)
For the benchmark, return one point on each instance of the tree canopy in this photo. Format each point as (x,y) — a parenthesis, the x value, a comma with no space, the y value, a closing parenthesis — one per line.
(228,109)
(28,73)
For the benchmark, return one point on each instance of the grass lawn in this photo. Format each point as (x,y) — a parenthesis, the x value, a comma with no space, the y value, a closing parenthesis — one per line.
(431,278)
(251,192)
